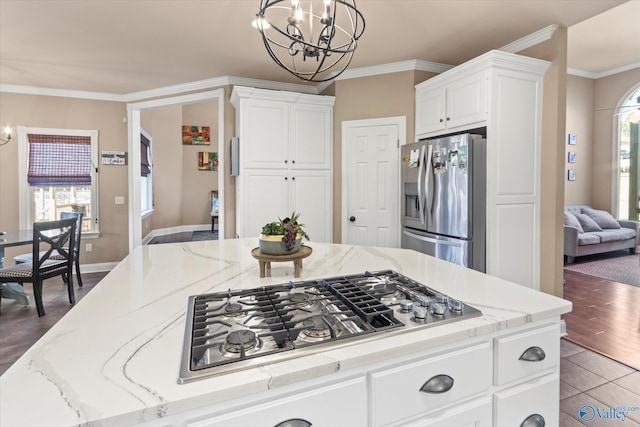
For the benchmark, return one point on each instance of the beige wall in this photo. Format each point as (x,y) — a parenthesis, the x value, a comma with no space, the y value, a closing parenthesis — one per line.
(608,92)
(579,123)
(388,95)
(68,113)
(197,184)
(166,146)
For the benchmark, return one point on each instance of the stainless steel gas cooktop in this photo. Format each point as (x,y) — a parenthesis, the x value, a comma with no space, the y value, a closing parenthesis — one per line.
(235,330)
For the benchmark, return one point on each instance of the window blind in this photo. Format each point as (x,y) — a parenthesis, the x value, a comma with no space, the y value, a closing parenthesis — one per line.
(145,169)
(59,160)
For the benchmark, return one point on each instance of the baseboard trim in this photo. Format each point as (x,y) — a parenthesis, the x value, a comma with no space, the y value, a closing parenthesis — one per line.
(98,267)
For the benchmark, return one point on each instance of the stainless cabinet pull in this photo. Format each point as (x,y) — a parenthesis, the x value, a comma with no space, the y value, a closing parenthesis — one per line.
(294,422)
(286,161)
(533,354)
(437,384)
(533,420)
(441,120)
(293,161)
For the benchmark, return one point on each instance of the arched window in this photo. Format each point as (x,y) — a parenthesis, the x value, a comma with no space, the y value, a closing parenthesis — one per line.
(629,159)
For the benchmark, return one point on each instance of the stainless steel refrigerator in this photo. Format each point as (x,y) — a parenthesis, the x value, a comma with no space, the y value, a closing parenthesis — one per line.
(443,198)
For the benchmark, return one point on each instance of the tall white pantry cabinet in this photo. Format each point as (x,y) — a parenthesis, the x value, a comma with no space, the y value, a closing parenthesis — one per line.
(502,92)
(285,160)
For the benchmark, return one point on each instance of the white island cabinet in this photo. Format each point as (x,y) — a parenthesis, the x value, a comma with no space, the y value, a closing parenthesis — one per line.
(502,93)
(113,360)
(285,160)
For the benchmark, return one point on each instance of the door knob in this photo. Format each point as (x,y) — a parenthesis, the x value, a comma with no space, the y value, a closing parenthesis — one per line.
(352,218)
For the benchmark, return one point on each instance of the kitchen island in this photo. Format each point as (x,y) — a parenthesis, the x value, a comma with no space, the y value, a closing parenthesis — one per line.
(113,360)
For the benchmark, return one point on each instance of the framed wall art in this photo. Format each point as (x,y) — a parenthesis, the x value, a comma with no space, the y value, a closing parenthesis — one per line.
(572,139)
(571,175)
(571,157)
(196,135)
(207,161)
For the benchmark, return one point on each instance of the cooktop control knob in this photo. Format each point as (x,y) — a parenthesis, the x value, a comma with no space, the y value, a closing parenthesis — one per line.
(442,299)
(456,305)
(420,313)
(406,305)
(424,301)
(438,308)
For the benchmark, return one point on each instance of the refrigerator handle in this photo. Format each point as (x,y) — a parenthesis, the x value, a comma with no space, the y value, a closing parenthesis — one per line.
(421,166)
(428,194)
(451,242)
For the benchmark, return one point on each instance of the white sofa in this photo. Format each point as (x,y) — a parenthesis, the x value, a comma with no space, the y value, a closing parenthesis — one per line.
(589,231)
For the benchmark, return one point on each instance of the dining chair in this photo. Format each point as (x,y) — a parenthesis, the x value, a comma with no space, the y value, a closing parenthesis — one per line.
(58,239)
(76,250)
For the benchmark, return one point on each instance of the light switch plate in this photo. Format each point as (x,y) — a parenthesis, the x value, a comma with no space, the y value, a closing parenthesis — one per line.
(119,200)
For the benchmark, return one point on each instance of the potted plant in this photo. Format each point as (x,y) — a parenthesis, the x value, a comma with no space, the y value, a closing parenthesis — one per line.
(282,237)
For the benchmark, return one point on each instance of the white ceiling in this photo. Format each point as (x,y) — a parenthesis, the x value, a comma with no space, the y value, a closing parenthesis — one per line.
(126,46)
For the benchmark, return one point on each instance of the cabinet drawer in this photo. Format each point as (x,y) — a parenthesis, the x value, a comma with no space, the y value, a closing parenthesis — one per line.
(396,393)
(509,361)
(539,397)
(342,404)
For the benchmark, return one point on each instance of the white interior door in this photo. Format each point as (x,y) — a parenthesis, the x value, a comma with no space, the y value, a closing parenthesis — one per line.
(370,181)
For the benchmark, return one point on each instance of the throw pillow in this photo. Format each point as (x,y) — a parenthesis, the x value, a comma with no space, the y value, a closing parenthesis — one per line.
(602,218)
(587,223)
(571,220)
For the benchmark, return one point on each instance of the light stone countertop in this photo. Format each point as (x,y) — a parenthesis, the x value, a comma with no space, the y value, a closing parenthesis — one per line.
(113,360)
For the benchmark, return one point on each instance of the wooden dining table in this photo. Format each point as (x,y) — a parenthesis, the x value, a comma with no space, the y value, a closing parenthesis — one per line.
(14,291)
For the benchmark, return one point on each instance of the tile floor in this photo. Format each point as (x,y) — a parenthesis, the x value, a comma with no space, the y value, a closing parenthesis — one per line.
(589,380)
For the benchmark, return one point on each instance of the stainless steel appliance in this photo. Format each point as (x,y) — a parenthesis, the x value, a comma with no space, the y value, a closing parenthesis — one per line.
(235,330)
(443,198)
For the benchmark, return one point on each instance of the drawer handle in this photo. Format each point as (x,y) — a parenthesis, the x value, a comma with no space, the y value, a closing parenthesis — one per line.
(437,384)
(533,354)
(533,420)
(294,422)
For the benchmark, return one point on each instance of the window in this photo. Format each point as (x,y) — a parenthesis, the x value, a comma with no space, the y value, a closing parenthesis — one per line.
(58,174)
(146,174)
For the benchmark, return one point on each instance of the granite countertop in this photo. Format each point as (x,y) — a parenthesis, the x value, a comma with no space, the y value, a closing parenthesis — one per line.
(114,358)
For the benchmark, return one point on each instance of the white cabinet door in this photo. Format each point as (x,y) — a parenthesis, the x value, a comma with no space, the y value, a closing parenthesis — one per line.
(310,195)
(467,102)
(311,133)
(534,401)
(265,199)
(264,134)
(343,404)
(430,110)
(461,104)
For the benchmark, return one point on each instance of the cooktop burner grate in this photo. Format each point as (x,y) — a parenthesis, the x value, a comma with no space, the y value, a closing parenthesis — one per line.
(233,330)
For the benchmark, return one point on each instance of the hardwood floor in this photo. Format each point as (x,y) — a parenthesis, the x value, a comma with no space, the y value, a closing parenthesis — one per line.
(20,326)
(605,317)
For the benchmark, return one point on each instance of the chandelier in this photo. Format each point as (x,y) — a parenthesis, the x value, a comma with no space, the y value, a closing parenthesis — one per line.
(308,44)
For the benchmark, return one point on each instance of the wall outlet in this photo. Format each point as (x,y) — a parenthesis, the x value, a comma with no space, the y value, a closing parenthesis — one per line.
(119,200)
(88,247)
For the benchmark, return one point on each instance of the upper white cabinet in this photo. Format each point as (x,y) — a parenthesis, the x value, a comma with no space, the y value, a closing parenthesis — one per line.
(451,106)
(502,92)
(285,160)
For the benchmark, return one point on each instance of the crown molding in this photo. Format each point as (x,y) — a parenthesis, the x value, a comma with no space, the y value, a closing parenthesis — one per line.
(43,91)
(606,73)
(530,40)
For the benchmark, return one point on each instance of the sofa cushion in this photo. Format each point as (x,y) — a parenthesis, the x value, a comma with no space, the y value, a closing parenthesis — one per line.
(608,236)
(571,220)
(587,223)
(602,218)
(626,233)
(588,239)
